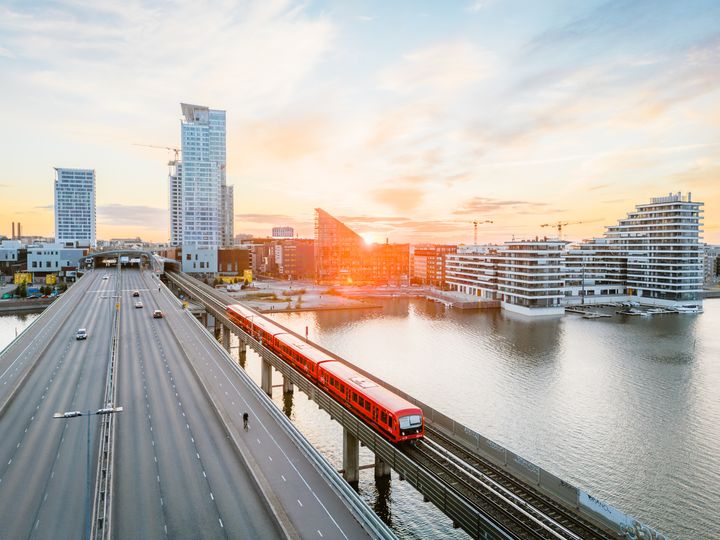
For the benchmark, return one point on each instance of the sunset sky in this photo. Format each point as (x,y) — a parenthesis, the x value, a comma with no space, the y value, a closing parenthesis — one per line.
(407,119)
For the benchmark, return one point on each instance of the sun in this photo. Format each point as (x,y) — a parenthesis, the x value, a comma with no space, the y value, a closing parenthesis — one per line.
(368,237)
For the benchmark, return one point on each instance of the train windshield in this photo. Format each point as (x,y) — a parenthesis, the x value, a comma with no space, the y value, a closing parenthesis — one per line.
(412,421)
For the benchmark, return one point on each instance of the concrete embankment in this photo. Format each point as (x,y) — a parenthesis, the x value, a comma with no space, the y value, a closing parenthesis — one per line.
(26,305)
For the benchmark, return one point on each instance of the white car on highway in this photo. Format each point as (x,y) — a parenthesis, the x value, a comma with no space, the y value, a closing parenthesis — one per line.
(81,333)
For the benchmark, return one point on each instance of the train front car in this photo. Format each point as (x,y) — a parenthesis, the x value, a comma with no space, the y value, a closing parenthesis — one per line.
(392,416)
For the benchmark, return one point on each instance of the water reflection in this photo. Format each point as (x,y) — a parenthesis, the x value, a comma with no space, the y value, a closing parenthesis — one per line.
(625,407)
(382,497)
(288,403)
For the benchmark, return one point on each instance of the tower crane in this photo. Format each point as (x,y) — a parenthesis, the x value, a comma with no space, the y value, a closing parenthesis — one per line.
(475,226)
(560,224)
(171,148)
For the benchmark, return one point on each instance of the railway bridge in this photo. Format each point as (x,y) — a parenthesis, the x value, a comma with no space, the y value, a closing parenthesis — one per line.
(484,488)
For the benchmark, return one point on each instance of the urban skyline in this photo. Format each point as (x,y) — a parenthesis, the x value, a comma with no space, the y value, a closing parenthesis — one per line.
(586,110)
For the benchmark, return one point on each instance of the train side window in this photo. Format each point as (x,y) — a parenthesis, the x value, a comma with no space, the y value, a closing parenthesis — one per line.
(354,397)
(383,417)
(367,406)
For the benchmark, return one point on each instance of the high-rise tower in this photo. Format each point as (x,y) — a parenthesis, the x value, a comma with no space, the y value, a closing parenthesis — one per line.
(202,176)
(75,206)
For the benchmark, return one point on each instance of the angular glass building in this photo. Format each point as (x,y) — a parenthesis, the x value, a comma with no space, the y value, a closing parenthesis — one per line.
(343,257)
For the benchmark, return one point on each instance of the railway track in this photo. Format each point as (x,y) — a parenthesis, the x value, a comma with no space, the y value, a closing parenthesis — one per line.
(512,505)
(475,478)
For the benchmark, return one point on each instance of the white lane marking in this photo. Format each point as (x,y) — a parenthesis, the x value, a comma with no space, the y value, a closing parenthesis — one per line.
(283,477)
(221,523)
(205,475)
(270,458)
(282,451)
(299,503)
(321,534)
(212,496)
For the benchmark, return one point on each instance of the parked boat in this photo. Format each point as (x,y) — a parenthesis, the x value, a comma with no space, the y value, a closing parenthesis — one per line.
(690,308)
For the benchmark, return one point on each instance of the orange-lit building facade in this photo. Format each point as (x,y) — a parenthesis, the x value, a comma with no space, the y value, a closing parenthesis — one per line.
(343,257)
(427,263)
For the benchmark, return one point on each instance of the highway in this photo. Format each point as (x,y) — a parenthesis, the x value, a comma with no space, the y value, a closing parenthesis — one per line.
(43,460)
(177,475)
(183,467)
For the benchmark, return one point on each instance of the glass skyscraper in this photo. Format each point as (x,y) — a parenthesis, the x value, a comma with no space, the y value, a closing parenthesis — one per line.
(202,178)
(75,206)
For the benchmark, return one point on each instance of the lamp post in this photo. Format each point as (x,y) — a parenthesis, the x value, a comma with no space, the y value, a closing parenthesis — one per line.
(75,414)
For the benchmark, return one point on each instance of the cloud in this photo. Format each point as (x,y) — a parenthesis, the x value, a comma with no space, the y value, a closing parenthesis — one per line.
(401,199)
(45,207)
(486,205)
(143,217)
(248,55)
(285,139)
(478,5)
(371,219)
(446,67)
(6,53)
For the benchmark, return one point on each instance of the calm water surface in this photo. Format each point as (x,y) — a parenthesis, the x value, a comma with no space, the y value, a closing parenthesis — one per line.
(11,325)
(627,408)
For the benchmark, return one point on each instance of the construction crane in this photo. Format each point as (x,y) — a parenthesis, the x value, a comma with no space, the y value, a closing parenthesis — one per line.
(560,224)
(475,226)
(172,148)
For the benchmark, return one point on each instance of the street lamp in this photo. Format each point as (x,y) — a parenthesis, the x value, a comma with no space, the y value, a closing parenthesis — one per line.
(74,414)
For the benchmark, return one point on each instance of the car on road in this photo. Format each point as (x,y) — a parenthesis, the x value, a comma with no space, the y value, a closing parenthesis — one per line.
(157,314)
(136,293)
(81,333)
(105,277)
(138,304)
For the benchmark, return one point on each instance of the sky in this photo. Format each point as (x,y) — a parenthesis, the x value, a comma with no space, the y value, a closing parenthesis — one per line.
(407,119)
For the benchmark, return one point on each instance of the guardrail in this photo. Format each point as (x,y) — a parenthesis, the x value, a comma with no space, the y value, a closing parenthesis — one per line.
(102,503)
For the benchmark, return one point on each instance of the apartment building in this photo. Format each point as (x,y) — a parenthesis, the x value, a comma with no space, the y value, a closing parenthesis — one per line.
(75,207)
(654,256)
(427,263)
(526,276)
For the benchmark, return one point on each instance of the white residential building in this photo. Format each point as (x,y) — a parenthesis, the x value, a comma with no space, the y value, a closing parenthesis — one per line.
(175,205)
(53,259)
(227,216)
(75,207)
(654,256)
(283,232)
(199,260)
(525,276)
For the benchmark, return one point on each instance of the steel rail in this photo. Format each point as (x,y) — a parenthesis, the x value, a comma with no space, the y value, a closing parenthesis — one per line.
(586,530)
(514,501)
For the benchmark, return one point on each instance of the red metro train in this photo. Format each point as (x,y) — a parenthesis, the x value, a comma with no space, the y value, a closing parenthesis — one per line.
(393,417)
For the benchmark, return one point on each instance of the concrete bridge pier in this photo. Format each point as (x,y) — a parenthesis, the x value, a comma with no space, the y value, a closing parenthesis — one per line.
(351,458)
(382,469)
(226,338)
(287,385)
(218,328)
(204,318)
(209,320)
(242,354)
(266,377)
